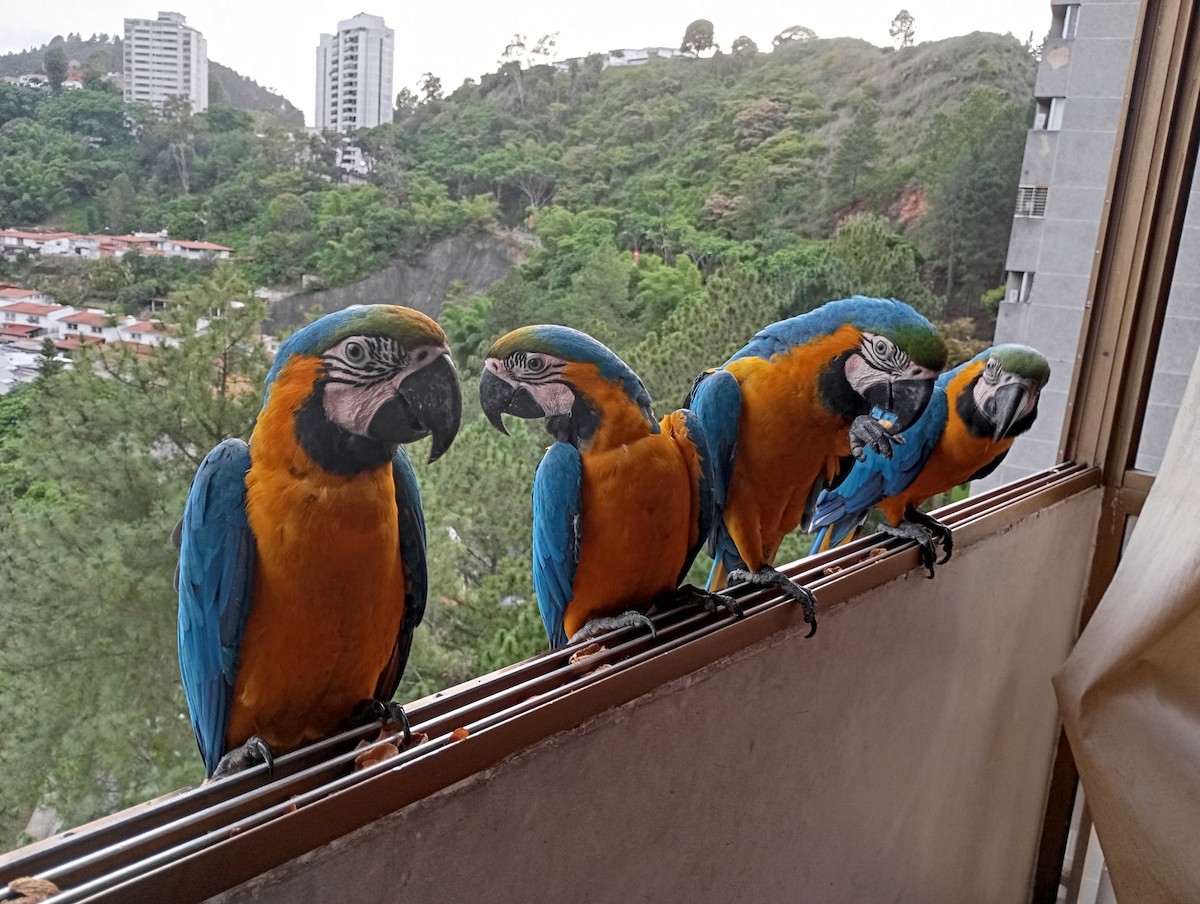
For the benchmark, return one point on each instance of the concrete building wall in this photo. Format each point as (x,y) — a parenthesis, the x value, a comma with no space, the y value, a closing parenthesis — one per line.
(354,75)
(1084,67)
(165,58)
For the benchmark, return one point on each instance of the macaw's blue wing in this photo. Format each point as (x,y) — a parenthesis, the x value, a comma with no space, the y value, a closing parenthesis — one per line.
(411,518)
(215,583)
(709,512)
(716,402)
(842,510)
(556,535)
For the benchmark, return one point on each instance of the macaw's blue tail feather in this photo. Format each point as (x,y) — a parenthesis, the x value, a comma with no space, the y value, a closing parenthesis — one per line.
(837,533)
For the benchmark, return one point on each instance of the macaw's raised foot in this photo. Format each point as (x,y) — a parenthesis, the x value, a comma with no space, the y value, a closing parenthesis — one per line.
(598,626)
(250,754)
(770,577)
(868,433)
(689,594)
(927,532)
(390,712)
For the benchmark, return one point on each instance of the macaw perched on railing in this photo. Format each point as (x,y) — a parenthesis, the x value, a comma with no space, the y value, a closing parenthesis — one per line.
(785,413)
(621,502)
(976,412)
(302,555)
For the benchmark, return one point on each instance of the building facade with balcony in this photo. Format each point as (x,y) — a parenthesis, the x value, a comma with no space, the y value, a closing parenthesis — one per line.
(165,58)
(354,75)
(1080,89)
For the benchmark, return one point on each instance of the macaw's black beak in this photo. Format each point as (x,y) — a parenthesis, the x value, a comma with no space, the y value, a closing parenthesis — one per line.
(429,403)
(498,397)
(1004,407)
(906,399)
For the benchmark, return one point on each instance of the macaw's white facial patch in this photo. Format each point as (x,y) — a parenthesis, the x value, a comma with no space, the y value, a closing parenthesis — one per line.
(553,398)
(352,406)
(862,374)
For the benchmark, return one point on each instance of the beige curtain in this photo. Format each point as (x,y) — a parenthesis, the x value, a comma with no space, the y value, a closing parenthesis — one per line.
(1130,690)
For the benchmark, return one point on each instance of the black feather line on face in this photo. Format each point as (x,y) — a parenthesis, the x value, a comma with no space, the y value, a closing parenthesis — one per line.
(837,393)
(334,449)
(381,358)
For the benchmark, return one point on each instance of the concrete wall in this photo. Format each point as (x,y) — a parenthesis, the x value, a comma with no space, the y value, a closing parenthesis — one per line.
(1090,72)
(901,755)
(478,260)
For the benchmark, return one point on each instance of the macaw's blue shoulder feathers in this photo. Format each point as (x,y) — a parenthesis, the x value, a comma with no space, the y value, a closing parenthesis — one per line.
(216,565)
(557,489)
(573,345)
(887,316)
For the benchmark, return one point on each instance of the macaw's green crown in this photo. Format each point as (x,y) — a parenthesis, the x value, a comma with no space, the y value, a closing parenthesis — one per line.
(1020,360)
(885,316)
(572,345)
(409,327)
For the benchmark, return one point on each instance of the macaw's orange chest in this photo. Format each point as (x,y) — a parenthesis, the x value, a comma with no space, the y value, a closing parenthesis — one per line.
(328,600)
(788,442)
(958,455)
(638,523)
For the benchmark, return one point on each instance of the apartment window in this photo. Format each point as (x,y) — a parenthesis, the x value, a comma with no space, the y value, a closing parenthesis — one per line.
(1065,22)
(1020,287)
(97,329)
(73,326)
(9,316)
(1031,200)
(1049,115)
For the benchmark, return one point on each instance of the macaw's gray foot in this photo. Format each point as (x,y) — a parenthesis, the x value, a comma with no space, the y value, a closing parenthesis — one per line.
(390,712)
(940,532)
(705,599)
(769,577)
(868,433)
(253,752)
(598,626)
(908,530)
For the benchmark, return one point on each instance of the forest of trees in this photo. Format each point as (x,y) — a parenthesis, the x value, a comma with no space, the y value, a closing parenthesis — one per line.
(677,207)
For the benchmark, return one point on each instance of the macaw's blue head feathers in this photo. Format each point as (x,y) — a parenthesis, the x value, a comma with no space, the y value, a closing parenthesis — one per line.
(1006,382)
(370,376)
(562,375)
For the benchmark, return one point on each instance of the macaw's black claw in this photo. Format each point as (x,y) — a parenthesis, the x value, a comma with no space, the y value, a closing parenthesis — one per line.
(598,626)
(367,711)
(940,532)
(250,754)
(770,577)
(910,530)
(868,433)
(689,594)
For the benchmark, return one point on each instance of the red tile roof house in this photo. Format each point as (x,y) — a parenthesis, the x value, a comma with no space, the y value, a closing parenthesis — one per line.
(90,325)
(146,332)
(43,318)
(15,240)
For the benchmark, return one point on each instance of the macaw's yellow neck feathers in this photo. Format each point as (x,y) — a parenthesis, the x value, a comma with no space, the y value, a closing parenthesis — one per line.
(958,385)
(273,443)
(621,420)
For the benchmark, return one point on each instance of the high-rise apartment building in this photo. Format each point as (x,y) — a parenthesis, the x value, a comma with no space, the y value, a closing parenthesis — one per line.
(354,75)
(165,58)
(1080,91)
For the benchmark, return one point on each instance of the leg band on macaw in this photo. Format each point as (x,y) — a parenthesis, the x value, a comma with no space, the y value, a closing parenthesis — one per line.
(710,602)
(250,754)
(389,712)
(766,576)
(937,530)
(910,530)
(598,626)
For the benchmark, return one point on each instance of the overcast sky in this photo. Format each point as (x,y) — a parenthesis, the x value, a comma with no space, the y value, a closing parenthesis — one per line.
(274,41)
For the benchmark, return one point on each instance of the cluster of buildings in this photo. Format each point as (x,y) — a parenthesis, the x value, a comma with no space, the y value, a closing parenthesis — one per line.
(29,317)
(95,247)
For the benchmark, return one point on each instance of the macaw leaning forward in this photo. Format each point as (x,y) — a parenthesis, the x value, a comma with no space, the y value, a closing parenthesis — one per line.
(302,555)
(784,413)
(621,503)
(976,412)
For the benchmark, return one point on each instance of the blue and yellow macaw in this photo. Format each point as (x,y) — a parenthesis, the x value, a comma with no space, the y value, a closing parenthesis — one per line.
(976,412)
(783,413)
(302,555)
(621,503)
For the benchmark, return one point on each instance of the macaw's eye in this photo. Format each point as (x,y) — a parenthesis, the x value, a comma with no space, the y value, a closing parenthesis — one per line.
(355,352)
(881,346)
(991,372)
(535,365)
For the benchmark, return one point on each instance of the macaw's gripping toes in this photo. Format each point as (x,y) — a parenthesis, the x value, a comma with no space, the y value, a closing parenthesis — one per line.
(621,503)
(977,410)
(784,415)
(302,555)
